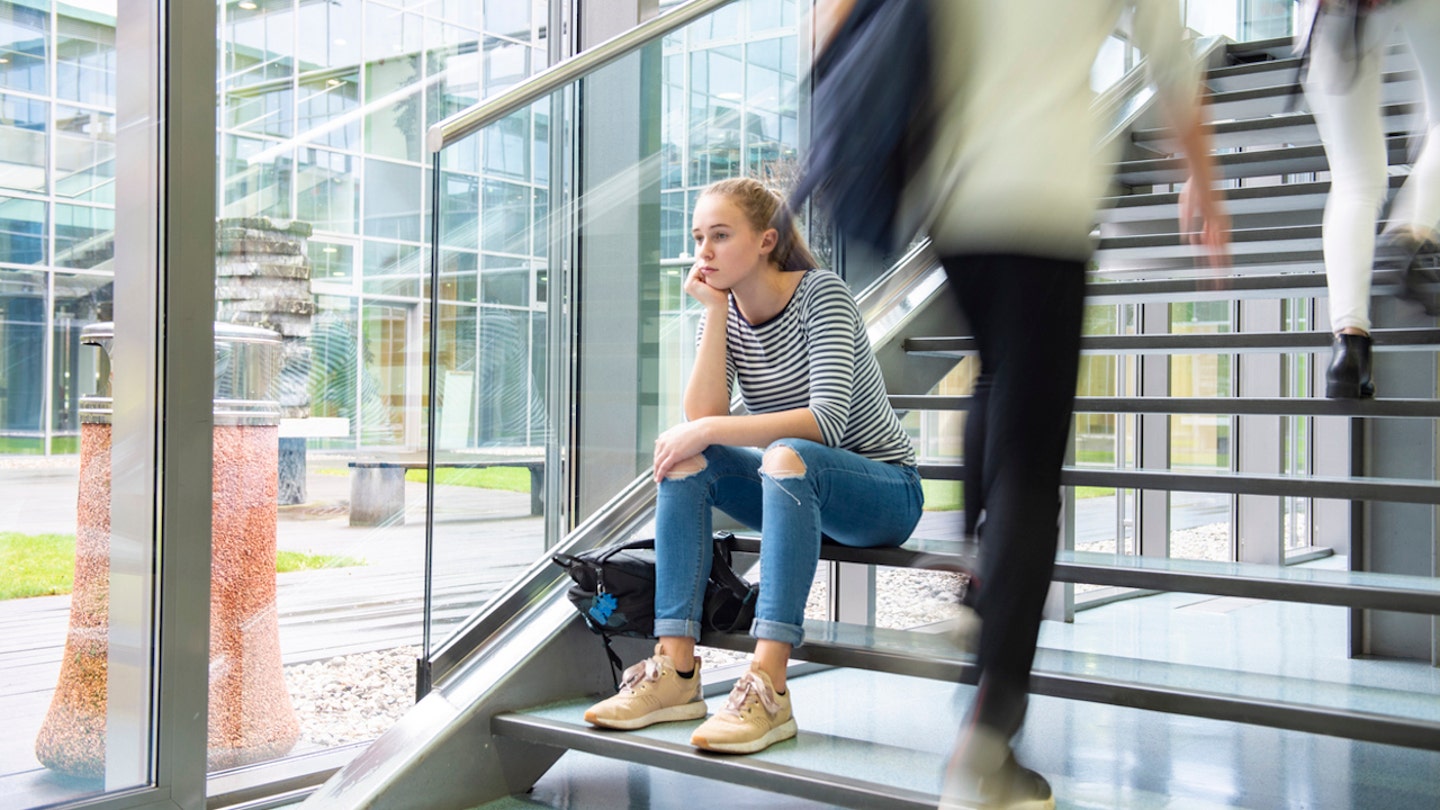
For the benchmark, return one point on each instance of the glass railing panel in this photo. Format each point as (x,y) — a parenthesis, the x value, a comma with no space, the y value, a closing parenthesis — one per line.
(716,98)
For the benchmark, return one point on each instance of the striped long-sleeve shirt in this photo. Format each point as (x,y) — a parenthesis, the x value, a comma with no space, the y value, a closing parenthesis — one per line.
(815,354)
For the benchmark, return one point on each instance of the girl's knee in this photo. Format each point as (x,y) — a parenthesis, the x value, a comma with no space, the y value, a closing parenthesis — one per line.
(782,461)
(687,468)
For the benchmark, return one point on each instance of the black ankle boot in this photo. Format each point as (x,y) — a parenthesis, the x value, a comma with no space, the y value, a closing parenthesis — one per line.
(1349,374)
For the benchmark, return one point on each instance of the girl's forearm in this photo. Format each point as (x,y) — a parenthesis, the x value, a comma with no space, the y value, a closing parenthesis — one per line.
(759,430)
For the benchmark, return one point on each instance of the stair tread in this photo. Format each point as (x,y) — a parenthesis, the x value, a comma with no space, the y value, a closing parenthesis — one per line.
(1294,127)
(1263,162)
(805,765)
(1238,201)
(1124,680)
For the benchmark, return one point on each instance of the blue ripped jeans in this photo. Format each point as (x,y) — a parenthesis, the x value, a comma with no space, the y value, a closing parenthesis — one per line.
(853,500)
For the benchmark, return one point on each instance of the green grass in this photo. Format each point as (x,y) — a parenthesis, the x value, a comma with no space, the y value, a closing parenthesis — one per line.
(943,496)
(510,479)
(287,561)
(17,446)
(1081,493)
(44,564)
(36,565)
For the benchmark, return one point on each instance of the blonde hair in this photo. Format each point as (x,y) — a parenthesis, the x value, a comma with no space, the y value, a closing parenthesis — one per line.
(765,209)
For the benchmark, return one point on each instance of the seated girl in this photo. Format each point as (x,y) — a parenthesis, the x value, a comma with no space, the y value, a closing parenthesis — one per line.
(818,451)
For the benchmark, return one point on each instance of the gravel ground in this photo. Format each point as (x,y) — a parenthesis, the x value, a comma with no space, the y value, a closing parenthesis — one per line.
(356,697)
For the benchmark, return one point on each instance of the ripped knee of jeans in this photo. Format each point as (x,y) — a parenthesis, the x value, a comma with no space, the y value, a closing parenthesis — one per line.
(690,466)
(781,461)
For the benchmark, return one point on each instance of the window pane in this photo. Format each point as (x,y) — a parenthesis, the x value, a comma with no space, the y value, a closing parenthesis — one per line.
(257,177)
(22,231)
(23,123)
(22,355)
(328,195)
(329,110)
(84,237)
(392,269)
(506,218)
(84,155)
(24,38)
(505,280)
(332,34)
(393,196)
(85,62)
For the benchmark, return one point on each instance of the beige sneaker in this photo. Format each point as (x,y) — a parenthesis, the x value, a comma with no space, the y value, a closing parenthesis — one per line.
(651,692)
(754,718)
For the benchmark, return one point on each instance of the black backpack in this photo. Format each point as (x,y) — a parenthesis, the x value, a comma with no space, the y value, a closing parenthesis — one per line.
(614,591)
(872,119)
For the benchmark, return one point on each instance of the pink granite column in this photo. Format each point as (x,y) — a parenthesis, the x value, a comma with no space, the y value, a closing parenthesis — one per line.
(72,738)
(251,718)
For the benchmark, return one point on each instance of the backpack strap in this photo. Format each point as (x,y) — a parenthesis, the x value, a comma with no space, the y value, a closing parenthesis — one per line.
(615,667)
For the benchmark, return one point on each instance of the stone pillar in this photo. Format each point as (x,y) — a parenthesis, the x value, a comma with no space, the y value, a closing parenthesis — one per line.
(251,718)
(72,738)
(262,275)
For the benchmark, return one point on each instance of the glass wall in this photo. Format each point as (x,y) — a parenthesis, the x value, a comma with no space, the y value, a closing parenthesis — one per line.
(323,201)
(79,586)
(324,222)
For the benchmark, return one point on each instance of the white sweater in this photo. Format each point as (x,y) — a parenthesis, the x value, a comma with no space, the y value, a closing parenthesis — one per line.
(1017,139)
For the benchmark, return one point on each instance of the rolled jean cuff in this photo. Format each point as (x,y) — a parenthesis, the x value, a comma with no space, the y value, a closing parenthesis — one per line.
(678,628)
(792,634)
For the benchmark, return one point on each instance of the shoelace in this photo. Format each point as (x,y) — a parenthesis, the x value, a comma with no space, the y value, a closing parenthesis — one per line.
(748,685)
(647,670)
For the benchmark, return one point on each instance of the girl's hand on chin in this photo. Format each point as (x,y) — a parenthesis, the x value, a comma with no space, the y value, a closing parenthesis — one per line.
(698,288)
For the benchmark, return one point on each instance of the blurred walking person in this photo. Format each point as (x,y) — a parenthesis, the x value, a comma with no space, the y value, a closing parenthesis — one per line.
(1347,40)
(1013,183)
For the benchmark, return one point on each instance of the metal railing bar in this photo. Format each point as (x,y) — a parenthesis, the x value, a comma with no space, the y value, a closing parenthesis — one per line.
(1204,343)
(1390,490)
(1246,406)
(475,118)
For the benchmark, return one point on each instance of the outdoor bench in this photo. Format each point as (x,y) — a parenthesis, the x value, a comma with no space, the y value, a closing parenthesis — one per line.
(377,488)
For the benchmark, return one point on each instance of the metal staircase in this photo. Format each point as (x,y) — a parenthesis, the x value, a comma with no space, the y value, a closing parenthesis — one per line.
(517,680)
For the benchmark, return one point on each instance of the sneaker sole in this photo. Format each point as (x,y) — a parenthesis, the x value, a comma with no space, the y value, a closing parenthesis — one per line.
(784,731)
(685,711)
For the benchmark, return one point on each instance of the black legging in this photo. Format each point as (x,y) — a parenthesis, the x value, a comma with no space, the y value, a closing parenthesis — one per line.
(1025,313)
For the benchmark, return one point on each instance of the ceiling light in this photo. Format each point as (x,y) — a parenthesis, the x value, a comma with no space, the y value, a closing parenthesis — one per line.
(4,60)
(328,249)
(333,83)
(248,5)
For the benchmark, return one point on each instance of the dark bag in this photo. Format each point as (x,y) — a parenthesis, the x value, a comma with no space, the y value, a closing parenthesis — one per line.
(872,119)
(614,591)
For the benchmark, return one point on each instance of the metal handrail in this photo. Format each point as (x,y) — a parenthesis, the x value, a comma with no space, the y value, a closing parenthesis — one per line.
(471,120)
